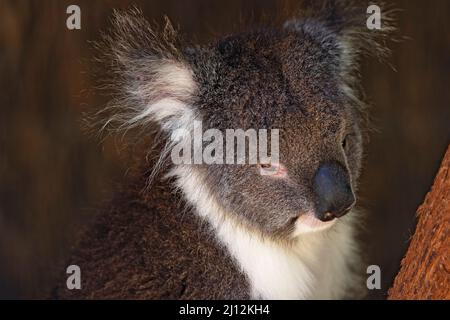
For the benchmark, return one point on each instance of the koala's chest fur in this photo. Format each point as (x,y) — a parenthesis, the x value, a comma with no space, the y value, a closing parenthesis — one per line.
(146,247)
(316,267)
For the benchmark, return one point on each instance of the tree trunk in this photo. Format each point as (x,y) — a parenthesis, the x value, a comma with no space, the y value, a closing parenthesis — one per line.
(425,270)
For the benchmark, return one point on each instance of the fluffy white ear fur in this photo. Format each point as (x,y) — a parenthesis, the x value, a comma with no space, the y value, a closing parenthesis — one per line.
(161,92)
(165,98)
(148,75)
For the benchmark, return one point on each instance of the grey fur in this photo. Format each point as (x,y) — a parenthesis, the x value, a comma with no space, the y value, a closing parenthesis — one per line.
(301,78)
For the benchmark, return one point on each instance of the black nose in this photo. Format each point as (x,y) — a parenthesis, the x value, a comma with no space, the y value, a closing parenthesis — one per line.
(333,190)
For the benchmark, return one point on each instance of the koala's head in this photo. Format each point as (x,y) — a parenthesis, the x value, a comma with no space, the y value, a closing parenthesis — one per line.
(299,78)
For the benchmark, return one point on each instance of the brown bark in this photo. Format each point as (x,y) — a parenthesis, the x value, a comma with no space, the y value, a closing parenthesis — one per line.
(425,271)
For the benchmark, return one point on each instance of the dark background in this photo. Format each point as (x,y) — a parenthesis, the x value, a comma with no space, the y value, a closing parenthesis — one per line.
(52,175)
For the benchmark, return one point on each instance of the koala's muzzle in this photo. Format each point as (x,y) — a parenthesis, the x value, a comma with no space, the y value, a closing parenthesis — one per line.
(334,193)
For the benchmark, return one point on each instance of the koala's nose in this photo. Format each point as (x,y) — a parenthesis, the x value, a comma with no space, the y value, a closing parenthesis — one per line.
(333,190)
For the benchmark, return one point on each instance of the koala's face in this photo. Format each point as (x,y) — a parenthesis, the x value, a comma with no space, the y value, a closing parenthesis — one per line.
(297,78)
(282,80)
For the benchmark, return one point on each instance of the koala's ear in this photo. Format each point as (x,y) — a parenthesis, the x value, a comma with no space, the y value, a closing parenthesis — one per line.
(147,73)
(340,26)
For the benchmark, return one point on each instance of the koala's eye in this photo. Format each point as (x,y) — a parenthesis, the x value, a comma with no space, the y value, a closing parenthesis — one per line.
(273,170)
(345,142)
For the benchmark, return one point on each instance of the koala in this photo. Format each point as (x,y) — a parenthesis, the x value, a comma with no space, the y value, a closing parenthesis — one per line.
(224,231)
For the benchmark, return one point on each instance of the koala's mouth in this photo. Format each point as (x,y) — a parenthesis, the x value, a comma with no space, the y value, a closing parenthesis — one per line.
(308,223)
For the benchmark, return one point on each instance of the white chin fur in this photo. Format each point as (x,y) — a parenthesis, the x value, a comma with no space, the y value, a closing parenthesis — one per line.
(308,223)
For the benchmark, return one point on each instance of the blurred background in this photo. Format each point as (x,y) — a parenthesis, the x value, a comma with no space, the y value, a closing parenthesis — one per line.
(52,175)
